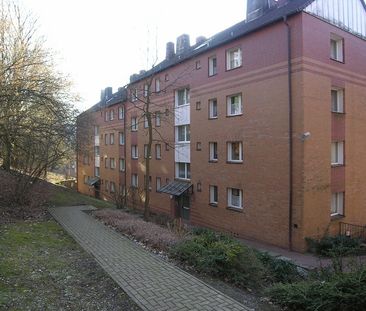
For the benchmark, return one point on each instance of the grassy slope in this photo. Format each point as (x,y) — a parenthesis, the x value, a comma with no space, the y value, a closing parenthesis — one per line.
(42,268)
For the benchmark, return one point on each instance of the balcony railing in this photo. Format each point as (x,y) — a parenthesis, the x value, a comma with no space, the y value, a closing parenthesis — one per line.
(354,231)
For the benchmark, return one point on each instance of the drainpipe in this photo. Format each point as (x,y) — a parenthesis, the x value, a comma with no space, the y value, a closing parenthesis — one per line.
(290,130)
(125,153)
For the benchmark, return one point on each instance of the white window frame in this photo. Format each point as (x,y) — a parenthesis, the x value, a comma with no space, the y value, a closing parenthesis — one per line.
(186,131)
(157,85)
(121,112)
(146,90)
(337,204)
(111,115)
(134,180)
(134,124)
(106,114)
(112,163)
(214,191)
(233,58)
(158,151)
(211,104)
(121,138)
(186,97)
(230,152)
(187,170)
(158,183)
(97,171)
(337,153)
(230,104)
(106,139)
(146,123)
(336,48)
(157,118)
(122,165)
(236,203)
(96,130)
(113,187)
(134,96)
(111,138)
(337,100)
(213,155)
(212,70)
(145,152)
(134,152)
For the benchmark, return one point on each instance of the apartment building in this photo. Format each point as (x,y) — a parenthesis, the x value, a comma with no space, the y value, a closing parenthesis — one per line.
(258,130)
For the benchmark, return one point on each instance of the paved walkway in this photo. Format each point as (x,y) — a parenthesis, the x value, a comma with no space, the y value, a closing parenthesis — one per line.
(151,282)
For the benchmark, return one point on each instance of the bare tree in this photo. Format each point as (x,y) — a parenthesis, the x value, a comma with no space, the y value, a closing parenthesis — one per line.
(37,118)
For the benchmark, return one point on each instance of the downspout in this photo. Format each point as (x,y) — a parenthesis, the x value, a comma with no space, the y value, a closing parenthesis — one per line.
(125,153)
(290,131)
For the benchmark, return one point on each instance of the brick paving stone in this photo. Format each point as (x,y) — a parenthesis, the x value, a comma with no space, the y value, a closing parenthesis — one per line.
(151,282)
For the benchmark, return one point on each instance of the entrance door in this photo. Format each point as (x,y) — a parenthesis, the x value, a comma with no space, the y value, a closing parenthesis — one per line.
(97,190)
(184,206)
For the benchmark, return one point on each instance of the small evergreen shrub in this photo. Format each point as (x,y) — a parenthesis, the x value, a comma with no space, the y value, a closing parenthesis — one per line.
(221,256)
(334,246)
(340,292)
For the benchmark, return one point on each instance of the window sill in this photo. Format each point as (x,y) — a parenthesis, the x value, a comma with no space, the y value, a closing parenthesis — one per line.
(182,179)
(336,217)
(230,69)
(337,165)
(338,112)
(213,118)
(213,161)
(234,162)
(215,74)
(337,60)
(179,106)
(235,209)
(134,158)
(234,115)
(133,130)
(183,142)
(213,204)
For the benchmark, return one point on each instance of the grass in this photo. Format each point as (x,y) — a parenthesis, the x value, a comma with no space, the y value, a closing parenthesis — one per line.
(65,197)
(42,268)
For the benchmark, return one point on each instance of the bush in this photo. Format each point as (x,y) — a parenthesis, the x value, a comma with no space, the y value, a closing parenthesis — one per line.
(221,256)
(279,270)
(341,292)
(334,246)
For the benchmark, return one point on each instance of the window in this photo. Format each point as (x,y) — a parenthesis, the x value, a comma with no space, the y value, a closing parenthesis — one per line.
(337,204)
(111,115)
(158,183)
(106,163)
(212,66)
(158,151)
(213,195)
(106,139)
(96,130)
(106,185)
(134,124)
(198,146)
(106,116)
(235,198)
(113,187)
(85,179)
(157,118)
(121,138)
(85,159)
(121,112)
(146,123)
(336,48)
(198,64)
(213,152)
(157,85)
(146,90)
(212,108)
(134,152)
(97,151)
(166,77)
(97,171)
(182,97)
(234,105)
(111,138)
(183,170)
(338,153)
(112,163)
(145,152)
(134,180)
(233,58)
(183,133)
(122,165)
(198,105)
(134,95)
(235,152)
(337,100)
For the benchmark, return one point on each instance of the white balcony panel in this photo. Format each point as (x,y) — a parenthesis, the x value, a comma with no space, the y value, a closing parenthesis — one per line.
(97,161)
(182,115)
(183,153)
(96,140)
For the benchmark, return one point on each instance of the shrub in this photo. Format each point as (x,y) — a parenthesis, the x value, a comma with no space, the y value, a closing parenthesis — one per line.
(341,292)
(221,256)
(279,270)
(334,246)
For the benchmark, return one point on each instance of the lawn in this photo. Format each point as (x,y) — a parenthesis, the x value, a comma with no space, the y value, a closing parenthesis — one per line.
(42,268)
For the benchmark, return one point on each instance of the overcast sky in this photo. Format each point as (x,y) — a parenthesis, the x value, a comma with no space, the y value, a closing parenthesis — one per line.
(101,43)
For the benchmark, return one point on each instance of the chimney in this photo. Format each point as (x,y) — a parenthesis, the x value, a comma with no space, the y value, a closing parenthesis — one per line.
(182,44)
(200,40)
(106,94)
(142,72)
(257,8)
(169,51)
(133,77)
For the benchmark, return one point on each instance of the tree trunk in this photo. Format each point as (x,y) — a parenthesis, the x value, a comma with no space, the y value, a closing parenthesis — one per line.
(148,157)
(6,156)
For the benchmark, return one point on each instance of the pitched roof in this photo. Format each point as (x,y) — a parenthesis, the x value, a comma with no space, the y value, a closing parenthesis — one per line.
(176,187)
(238,30)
